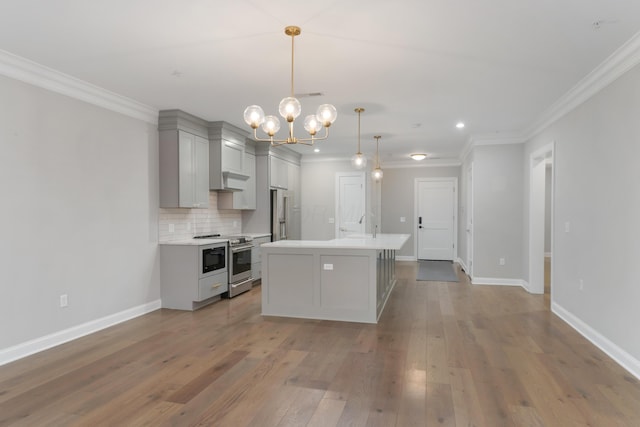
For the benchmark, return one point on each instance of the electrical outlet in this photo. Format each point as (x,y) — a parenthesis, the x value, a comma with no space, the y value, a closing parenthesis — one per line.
(328,266)
(581,284)
(567,227)
(403,219)
(502,261)
(64,301)
(332,220)
(235,224)
(172,228)
(188,226)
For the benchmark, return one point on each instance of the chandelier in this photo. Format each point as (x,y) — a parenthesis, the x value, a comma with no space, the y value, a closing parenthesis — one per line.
(376,174)
(290,109)
(359,161)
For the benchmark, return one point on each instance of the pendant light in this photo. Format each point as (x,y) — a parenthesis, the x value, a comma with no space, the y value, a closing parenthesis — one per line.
(359,161)
(376,174)
(290,109)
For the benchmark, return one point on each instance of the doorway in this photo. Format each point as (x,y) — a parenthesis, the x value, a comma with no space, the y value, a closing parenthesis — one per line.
(540,162)
(436,218)
(351,215)
(469,218)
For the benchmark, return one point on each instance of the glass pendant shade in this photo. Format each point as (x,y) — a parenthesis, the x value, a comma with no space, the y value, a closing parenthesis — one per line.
(271,125)
(327,114)
(377,174)
(254,116)
(358,161)
(312,125)
(289,108)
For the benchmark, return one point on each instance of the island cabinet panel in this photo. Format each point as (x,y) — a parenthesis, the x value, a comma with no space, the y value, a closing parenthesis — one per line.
(291,283)
(347,279)
(344,283)
(256,256)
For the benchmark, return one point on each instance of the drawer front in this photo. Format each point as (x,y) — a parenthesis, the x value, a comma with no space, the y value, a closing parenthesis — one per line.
(212,286)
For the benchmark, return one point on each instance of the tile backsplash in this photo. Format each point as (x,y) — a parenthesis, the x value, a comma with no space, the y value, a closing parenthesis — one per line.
(180,224)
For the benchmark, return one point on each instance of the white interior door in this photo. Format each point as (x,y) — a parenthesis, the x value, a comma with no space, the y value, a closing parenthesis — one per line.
(350,204)
(436,217)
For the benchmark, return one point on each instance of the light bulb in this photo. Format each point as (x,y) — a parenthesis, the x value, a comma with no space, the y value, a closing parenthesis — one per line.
(358,161)
(377,174)
(254,116)
(289,108)
(418,156)
(312,125)
(326,114)
(271,125)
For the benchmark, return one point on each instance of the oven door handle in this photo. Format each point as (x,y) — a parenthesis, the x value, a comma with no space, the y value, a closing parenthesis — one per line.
(235,249)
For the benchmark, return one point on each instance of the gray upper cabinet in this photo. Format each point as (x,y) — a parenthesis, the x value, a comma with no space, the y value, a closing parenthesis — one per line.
(278,173)
(193,161)
(184,161)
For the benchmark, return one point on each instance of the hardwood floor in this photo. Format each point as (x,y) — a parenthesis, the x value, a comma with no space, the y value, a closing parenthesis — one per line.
(442,354)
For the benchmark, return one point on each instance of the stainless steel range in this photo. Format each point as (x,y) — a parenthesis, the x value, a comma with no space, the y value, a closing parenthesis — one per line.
(240,279)
(239,262)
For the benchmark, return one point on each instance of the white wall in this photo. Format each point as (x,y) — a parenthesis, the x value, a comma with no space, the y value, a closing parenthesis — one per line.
(398,199)
(318,197)
(79,188)
(498,212)
(596,174)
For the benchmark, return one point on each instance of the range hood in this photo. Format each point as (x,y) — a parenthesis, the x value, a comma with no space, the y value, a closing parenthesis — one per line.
(232,181)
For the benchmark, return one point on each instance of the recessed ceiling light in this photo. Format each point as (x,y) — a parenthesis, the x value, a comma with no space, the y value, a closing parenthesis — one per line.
(459,125)
(418,156)
(316,150)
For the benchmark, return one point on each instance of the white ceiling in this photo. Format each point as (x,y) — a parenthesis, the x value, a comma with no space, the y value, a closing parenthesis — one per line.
(416,66)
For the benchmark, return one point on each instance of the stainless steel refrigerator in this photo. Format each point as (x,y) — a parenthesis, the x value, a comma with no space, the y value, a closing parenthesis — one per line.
(280,214)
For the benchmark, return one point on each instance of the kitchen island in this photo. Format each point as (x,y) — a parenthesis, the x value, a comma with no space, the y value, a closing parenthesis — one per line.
(346,279)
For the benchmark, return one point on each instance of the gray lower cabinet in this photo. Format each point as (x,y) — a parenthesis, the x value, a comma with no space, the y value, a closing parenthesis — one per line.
(256,257)
(182,288)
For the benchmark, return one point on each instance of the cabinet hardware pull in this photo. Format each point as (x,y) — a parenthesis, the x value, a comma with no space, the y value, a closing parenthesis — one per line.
(217,285)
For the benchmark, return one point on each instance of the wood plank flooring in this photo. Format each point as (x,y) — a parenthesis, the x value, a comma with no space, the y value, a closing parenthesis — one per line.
(443,354)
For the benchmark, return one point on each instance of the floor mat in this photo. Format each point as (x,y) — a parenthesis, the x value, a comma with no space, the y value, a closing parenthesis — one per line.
(436,271)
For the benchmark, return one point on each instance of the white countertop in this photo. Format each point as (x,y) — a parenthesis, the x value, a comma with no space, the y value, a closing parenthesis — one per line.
(359,241)
(195,242)
(201,242)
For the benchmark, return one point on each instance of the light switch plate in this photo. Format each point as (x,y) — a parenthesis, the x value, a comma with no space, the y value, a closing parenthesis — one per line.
(328,266)
(403,219)
(332,220)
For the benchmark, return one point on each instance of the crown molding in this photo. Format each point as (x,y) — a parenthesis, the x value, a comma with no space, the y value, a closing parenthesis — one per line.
(27,71)
(619,62)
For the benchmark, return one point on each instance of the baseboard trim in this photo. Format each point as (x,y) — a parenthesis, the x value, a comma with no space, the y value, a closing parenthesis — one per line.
(406,258)
(620,356)
(500,282)
(37,345)
(462,265)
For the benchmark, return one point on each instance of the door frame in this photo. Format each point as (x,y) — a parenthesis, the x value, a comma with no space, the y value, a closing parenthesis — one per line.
(536,224)
(417,181)
(469,221)
(337,220)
